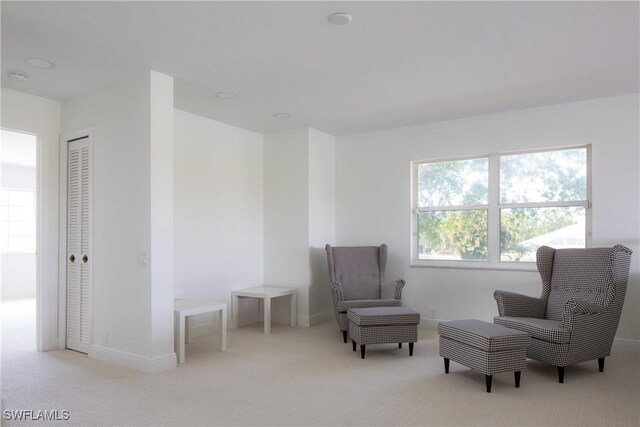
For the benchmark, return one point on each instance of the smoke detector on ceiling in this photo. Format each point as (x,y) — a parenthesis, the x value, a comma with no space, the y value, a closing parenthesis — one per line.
(18,75)
(340,18)
(226,95)
(43,64)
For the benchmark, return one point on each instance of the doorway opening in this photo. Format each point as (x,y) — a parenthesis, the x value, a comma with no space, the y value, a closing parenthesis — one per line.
(18,242)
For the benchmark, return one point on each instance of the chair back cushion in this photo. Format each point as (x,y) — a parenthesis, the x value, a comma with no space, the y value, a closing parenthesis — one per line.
(360,270)
(580,274)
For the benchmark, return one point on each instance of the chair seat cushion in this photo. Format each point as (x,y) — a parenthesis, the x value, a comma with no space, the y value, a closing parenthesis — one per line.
(542,329)
(344,306)
(382,316)
(483,335)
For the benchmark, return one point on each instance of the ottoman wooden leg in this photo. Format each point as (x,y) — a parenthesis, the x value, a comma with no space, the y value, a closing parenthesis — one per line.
(399,345)
(344,336)
(353,343)
(362,350)
(560,374)
(410,349)
(446,365)
(516,374)
(488,379)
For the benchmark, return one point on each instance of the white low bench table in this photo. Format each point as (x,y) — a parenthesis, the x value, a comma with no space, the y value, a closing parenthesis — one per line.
(266,293)
(188,307)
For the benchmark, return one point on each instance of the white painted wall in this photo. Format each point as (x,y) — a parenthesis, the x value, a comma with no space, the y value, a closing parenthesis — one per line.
(218,206)
(18,271)
(286,215)
(132,136)
(373,195)
(119,117)
(299,217)
(41,116)
(18,177)
(18,276)
(162,235)
(322,207)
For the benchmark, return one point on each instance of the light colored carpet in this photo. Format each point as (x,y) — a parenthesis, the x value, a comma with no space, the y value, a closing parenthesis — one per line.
(307,376)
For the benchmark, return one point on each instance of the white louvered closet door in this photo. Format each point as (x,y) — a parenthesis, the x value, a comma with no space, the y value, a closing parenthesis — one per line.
(79,232)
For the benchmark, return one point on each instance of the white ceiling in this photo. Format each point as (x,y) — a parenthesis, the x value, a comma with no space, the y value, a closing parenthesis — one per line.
(396,64)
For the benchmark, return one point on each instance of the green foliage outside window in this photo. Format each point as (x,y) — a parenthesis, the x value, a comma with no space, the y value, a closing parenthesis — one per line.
(553,176)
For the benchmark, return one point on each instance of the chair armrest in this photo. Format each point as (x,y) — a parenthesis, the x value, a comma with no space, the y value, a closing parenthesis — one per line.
(575,308)
(336,292)
(518,305)
(392,290)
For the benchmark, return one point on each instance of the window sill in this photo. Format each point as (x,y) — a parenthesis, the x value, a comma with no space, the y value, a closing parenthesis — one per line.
(471,265)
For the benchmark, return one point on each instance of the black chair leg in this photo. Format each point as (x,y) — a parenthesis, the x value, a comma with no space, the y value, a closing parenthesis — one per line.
(344,336)
(410,349)
(561,374)
(601,364)
(446,365)
(362,350)
(399,345)
(488,379)
(516,374)
(353,344)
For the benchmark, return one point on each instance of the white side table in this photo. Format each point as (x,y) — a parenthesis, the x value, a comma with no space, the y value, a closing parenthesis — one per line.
(266,293)
(189,307)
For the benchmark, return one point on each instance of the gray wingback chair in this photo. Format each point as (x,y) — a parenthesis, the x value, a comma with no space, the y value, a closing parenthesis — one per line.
(576,318)
(357,281)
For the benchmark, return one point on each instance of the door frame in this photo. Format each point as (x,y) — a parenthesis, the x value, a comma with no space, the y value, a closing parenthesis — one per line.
(41,339)
(65,138)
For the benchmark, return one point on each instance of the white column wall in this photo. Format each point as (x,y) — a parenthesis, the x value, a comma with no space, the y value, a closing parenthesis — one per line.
(286,217)
(161,211)
(299,218)
(322,208)
(119,117)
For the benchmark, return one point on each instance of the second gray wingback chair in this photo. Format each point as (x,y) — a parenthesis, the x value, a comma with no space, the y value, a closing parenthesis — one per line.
(357,281)
(576,317)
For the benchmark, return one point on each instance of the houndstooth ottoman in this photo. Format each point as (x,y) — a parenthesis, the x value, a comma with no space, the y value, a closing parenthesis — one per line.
(484,347)
(383,325)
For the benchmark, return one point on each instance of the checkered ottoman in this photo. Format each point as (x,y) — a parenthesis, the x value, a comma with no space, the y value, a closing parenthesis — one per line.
(484,347)
(383,325)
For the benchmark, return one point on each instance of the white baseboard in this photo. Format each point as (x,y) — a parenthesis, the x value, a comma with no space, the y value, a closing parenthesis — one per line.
(626,345)
(133,361)
(316,319)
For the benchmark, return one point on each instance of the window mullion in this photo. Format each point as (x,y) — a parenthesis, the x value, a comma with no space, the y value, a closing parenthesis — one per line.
(559,204)
(452,208)
(493,227)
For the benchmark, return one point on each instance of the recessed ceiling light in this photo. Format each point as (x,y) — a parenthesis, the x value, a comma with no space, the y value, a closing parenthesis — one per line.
(226,95)
(340,18)
(18,75)
(39,63)
(282,115)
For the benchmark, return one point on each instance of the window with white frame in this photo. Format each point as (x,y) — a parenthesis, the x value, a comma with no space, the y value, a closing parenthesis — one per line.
(17,192)
(494,211)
